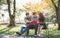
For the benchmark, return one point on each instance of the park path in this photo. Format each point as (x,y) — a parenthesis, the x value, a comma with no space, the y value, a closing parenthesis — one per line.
(8,36)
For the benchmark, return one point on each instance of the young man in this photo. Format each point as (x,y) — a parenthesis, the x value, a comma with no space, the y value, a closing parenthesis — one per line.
(34,19)
(24,29)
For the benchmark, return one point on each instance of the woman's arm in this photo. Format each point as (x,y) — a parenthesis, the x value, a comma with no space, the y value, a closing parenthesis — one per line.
(40,22)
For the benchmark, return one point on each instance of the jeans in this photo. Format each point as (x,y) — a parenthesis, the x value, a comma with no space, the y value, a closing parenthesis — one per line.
(23,30)
(26,29)
(32,27)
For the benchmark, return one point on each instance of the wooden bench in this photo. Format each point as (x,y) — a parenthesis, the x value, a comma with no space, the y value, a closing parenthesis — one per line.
(32,27)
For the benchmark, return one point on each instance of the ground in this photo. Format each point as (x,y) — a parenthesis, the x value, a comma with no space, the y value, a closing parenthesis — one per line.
(9,36)
(51,32)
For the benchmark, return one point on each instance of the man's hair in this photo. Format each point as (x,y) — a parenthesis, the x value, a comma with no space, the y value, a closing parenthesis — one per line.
(27,13)
(34,13)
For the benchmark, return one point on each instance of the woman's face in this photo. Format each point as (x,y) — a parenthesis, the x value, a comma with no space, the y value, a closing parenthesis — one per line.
(40,14)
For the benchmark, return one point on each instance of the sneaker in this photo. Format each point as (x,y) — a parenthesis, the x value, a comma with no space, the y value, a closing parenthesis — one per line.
(18,33)
(35,35)
(38,35)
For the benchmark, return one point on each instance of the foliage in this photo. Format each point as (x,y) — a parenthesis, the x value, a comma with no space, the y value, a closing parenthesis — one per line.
(38,7)
(42,7)
(3,2)
(53,12)
(56,2)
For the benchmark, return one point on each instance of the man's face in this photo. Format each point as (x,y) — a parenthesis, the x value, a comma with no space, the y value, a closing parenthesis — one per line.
(27,15)
(34,14)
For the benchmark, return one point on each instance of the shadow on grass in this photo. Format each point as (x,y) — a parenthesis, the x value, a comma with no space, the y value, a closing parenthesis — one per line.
(2,31)
(53,36)
(10,33)
(50,36)
(7,31)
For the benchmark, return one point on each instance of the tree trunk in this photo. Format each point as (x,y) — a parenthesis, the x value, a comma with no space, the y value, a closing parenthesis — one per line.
(57,9)
(12,21)
(14,12)
(59,14)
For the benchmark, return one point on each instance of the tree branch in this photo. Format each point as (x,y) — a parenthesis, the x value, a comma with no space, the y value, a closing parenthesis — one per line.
(54,4)
(14,7)
(9,11)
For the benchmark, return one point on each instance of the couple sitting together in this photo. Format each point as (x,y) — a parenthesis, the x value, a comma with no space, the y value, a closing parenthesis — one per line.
(35,21)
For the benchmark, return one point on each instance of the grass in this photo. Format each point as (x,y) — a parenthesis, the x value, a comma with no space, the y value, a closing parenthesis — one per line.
(9,30)
(51,32)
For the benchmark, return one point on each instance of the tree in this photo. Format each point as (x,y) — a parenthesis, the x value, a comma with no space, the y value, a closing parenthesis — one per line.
(14,12)
(57,9)
(12,16)
(58,14)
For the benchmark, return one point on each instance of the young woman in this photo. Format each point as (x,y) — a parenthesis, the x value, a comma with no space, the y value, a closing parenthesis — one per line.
(41,23)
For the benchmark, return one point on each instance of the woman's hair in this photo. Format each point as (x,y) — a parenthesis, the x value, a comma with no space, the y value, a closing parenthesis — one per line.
(41,14)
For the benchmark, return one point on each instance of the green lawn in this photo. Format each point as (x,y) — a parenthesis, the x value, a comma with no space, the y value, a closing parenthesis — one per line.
(9,30)
(51,32)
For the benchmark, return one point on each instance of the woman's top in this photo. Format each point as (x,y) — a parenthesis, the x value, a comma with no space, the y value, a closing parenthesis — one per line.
(42,20)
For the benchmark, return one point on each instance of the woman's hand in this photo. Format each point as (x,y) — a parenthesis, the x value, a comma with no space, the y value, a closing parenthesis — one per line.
(41,22)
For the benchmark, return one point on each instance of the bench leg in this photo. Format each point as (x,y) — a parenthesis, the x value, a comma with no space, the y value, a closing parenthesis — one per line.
(27,32)
(35,31)
(36,27)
